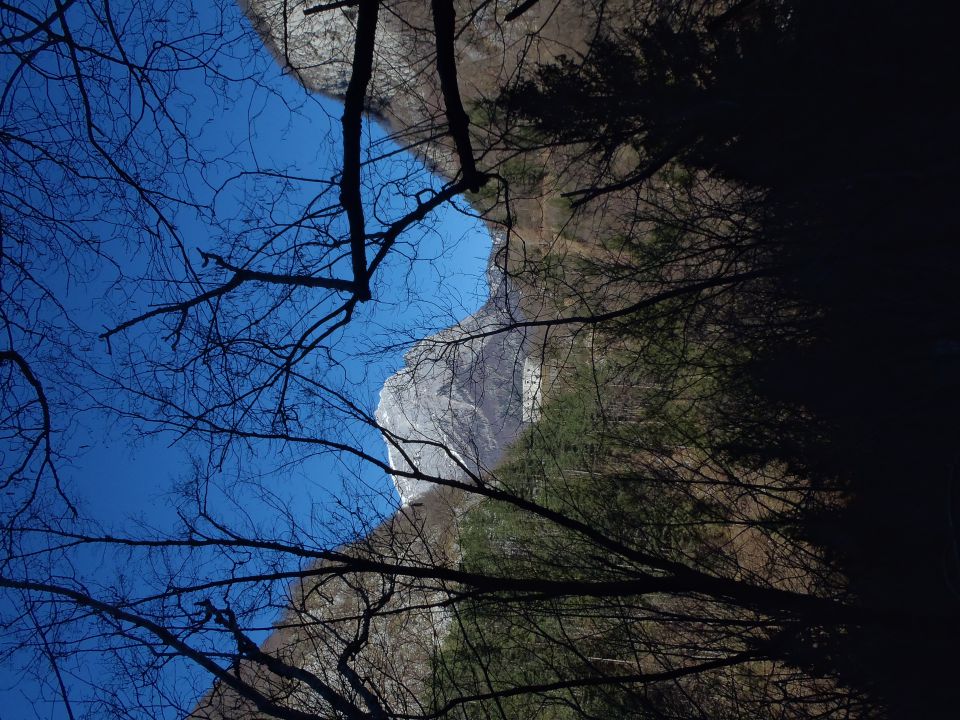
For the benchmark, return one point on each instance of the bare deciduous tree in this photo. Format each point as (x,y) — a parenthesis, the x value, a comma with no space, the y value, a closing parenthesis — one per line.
(638,551)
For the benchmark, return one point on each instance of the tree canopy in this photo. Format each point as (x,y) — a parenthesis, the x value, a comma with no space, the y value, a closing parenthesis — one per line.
(728,229)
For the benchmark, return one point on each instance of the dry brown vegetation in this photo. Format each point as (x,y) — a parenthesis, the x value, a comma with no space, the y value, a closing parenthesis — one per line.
(727,233)
(605,288)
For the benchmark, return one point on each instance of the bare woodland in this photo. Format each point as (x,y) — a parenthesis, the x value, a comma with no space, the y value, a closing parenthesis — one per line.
(726,229)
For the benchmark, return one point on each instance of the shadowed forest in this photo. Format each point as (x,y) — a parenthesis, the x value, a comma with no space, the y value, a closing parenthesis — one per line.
(810,336)
(730,230)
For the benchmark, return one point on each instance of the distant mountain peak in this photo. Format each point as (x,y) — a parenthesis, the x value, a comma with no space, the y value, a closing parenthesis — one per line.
(458,402)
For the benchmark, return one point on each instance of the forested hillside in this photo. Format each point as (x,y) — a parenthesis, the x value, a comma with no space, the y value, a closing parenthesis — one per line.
(695,458)
(762,250)
(752,370)
(731,229)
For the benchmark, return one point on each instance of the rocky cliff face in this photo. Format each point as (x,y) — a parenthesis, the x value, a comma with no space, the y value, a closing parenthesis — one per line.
(459,400)
(317,48)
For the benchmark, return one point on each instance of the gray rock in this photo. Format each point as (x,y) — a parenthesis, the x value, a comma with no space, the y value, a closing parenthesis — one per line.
(458,401)
(318,48)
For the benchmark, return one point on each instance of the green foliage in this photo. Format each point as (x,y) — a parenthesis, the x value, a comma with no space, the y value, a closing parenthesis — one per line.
(680,176)
(483,114)
(523,172)
(485,197)
(836,364)
(488,201)
(575,460)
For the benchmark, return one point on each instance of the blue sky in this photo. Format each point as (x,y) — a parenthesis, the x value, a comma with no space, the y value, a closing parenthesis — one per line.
(129,481)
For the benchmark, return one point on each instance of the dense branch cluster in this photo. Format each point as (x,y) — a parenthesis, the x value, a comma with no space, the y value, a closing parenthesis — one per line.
(725,242)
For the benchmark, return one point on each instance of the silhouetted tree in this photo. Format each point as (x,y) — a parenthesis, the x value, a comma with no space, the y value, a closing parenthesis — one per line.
(832,122)
(647,549)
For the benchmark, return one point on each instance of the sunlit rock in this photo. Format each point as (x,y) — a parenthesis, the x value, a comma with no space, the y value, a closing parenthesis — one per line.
(458,401)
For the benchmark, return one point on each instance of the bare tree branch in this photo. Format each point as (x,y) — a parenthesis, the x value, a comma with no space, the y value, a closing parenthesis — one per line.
(354,105)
